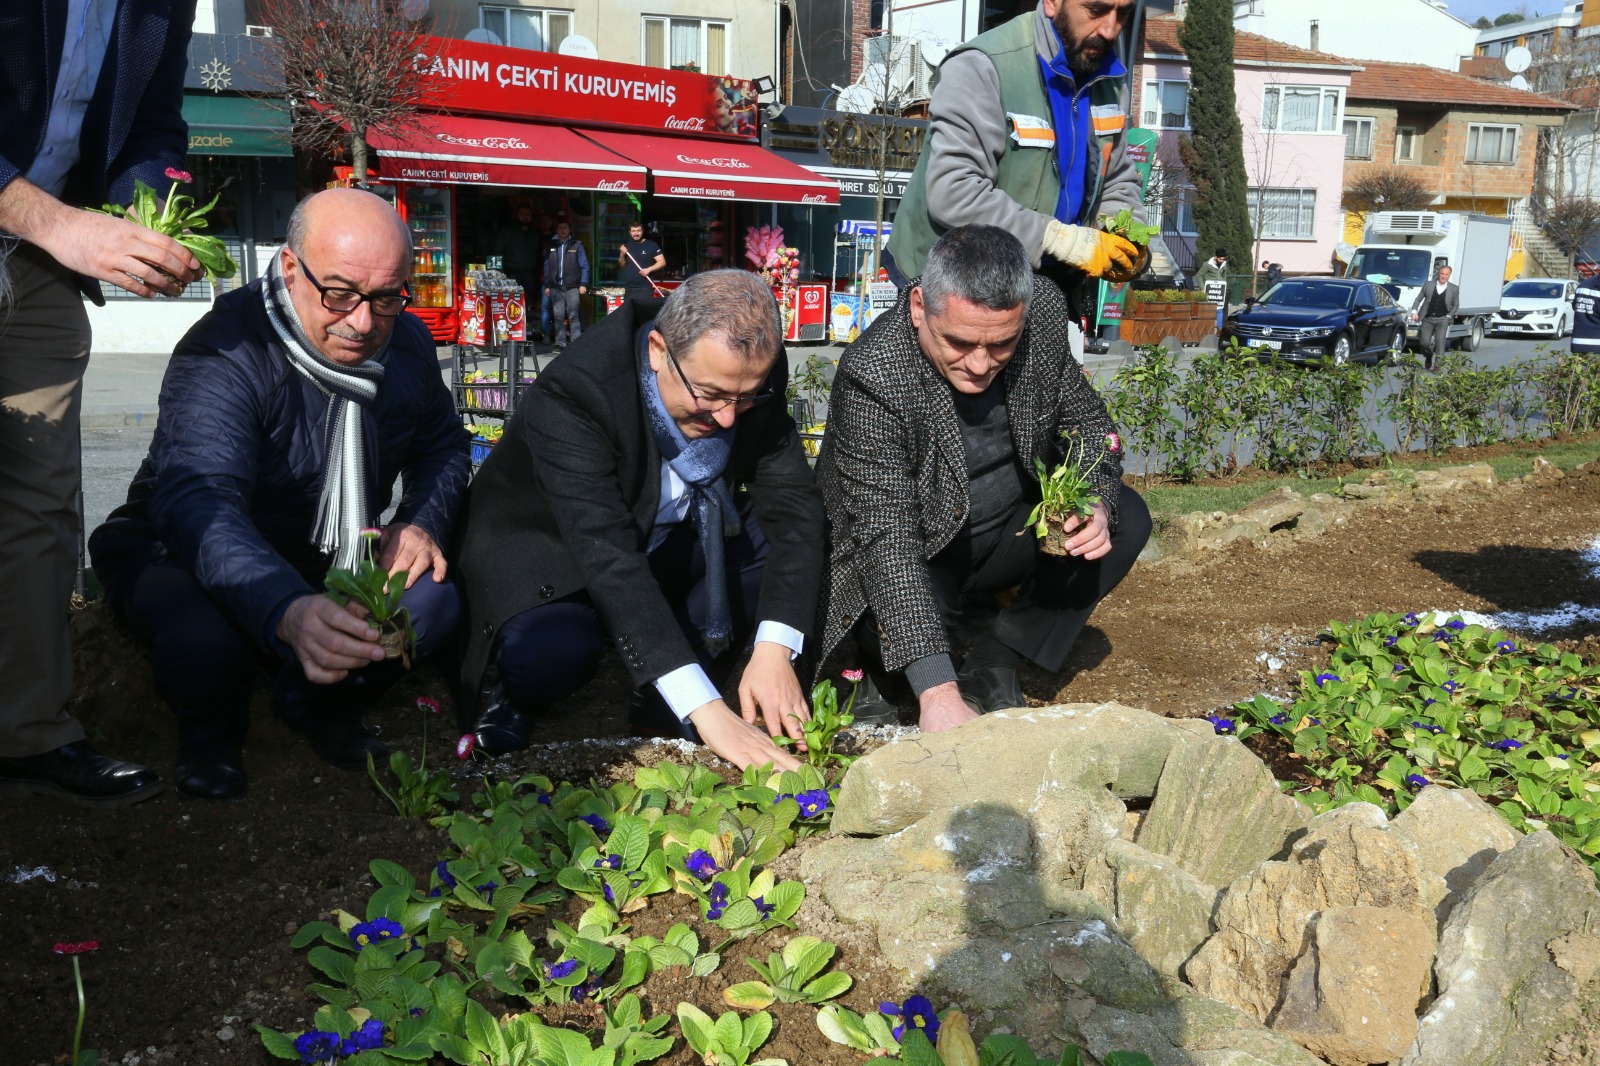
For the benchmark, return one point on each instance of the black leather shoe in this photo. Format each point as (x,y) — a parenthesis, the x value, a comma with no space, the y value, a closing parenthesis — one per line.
(78,773)
(210,777)
(502,729)
(343,741)
(875,712)
(990,688)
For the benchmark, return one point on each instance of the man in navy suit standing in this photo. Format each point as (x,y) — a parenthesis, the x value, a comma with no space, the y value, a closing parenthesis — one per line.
(91,95)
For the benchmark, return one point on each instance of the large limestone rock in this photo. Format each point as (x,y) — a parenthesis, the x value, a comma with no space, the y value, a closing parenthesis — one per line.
(1218,812)
(1162,910)
(1502,985)
(1347,858)
(1352,998)
(994,758)
(1455,836)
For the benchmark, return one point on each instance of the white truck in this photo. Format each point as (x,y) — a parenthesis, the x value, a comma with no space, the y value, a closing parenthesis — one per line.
(1405,248)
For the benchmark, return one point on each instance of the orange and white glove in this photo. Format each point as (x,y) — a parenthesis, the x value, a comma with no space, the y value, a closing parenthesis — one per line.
(1093,251)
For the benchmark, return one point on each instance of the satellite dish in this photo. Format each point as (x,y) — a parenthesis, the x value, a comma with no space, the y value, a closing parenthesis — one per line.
(856,98)
(575,44)
(933,52)
(1518,82)
(1344,250)
(1518,59)
(412,10)
(483,36)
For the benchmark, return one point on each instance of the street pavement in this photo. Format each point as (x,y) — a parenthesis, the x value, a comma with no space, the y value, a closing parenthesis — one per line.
(121,390)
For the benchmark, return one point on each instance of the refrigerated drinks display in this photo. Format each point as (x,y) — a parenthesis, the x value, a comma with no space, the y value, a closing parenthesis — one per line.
(429,211)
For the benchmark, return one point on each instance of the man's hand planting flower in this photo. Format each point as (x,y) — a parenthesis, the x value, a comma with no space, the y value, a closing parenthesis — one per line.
(178,219)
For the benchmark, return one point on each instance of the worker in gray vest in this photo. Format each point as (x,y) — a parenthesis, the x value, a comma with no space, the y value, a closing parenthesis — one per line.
(1026,132)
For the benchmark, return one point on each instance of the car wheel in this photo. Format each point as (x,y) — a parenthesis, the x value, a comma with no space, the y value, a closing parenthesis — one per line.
(1341,350)
(1474,337)
(1397,348)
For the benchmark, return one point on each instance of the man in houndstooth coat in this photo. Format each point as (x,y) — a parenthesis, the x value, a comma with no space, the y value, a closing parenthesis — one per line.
(927,472)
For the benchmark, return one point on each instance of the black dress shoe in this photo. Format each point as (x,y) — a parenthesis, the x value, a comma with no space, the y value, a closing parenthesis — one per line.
(210,777)
(875,712)
(343,741)
(990,688)
(502,729)
(78,773)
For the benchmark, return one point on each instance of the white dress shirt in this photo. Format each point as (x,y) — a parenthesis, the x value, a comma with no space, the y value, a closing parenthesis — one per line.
(687,688)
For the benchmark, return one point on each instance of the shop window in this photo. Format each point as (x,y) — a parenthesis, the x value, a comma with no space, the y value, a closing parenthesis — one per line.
(1165,105)
(1301,109)
(1283,214)
(1358,138)
(699,45)
(1405,144)
(1491,144)
(527,27)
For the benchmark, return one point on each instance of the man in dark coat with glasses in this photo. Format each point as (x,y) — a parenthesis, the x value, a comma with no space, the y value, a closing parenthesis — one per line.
(651,490)
(286,415)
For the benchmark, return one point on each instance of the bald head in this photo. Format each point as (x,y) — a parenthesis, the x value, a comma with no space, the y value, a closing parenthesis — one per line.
(345,239)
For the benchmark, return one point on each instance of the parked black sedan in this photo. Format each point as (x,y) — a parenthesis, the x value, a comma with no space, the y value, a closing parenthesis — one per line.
(1321,320)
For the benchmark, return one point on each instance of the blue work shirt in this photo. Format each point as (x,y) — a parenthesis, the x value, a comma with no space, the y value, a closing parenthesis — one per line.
(1070,112)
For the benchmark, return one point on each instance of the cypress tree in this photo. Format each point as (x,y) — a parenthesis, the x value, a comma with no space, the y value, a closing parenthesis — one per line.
(1213,153)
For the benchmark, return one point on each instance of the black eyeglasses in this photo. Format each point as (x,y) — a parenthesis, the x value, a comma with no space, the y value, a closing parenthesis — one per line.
(346,300)
(711,401)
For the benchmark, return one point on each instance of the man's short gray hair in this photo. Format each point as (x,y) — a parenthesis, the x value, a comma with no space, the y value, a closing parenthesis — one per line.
(735,306)
(983,264)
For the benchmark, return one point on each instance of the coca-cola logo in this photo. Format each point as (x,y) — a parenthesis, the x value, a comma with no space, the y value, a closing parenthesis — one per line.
(673,122)
(621,185)
(814,198)
(483,142)
(720,162)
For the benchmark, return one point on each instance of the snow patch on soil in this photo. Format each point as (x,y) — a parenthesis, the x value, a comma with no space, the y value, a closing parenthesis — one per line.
(22,874)
(1568,614)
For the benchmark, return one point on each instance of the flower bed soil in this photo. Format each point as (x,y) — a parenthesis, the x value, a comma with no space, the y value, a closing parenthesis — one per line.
(194,903)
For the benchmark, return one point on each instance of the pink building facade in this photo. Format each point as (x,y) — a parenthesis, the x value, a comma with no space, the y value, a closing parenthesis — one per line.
(1291,112)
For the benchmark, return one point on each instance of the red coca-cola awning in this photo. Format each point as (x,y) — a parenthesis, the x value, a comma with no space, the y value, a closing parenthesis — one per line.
(450,149)
(721,170)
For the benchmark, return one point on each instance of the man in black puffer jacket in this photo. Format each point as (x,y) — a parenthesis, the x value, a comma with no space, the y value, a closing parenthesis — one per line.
(286,415)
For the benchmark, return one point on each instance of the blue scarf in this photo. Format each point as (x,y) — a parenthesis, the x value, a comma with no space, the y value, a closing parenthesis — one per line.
(699,463)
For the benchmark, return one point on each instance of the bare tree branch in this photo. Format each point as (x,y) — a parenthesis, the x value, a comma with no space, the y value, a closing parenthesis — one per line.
(1386,190)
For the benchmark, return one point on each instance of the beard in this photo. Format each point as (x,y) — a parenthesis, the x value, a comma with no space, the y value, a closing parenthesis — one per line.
(1084,57)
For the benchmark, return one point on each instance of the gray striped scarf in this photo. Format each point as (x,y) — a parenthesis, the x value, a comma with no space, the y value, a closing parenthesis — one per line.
(344,509)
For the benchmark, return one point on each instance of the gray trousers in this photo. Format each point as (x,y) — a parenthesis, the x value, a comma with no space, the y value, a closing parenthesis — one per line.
(1434,337)
(566,316)
(44,349)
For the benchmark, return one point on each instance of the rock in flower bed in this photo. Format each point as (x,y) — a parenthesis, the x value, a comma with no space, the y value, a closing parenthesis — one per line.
(1048,869)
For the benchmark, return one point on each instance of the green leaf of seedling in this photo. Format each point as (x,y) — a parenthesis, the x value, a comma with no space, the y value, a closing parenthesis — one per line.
(705,965)
(337,965)
(1128,1058)
(756,1029)
(729,1032)
(484,1032)
(749,995)
(697,1026)
(313,930)
(1001,1049)
(827,987)
(277,1044)
(843,1027)
(389,873)
(916,1050)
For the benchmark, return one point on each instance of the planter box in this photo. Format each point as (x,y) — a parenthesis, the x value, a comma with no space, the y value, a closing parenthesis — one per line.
(1152,323)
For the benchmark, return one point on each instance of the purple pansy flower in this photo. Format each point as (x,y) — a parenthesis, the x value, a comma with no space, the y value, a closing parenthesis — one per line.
(915,1013)
(718,898)
(364,933)
(1417,781)
(701,864)
(1323,679)
(1220,724)
(1506,744)
(812,803)
(560,971)
(595,822)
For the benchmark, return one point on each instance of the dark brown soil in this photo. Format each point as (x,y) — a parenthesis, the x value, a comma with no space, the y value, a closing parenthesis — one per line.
(194,903)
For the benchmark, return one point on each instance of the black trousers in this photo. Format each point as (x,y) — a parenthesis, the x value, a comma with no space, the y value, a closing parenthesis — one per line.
(1055,594)
(549,652)
(205,665)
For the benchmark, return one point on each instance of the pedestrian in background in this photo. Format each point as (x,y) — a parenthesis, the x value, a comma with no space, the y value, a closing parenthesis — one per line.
(640,258)
(1586,317)
(521,247)
(1436,305)
(566,279)
(91,95)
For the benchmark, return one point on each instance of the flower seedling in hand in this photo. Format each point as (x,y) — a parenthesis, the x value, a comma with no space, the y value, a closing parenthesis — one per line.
(72,951)
(369,585)
(826,722)
(178,219)
(795,976)
(1066,492)
(728,1041)
(1124,225)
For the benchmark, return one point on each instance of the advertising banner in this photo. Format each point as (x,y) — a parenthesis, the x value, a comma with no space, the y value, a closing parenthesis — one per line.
(489,79)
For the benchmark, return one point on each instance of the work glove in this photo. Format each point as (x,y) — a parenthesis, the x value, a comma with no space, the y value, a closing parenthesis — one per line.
(1094,251)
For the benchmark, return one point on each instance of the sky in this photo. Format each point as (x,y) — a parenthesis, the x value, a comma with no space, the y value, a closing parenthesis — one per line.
(1469,10)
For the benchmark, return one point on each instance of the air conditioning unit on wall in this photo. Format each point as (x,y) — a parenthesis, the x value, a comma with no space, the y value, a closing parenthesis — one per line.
(258,31)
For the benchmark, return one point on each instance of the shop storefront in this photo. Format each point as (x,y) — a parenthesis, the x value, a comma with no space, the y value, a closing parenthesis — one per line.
(589,142)
(870,157)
